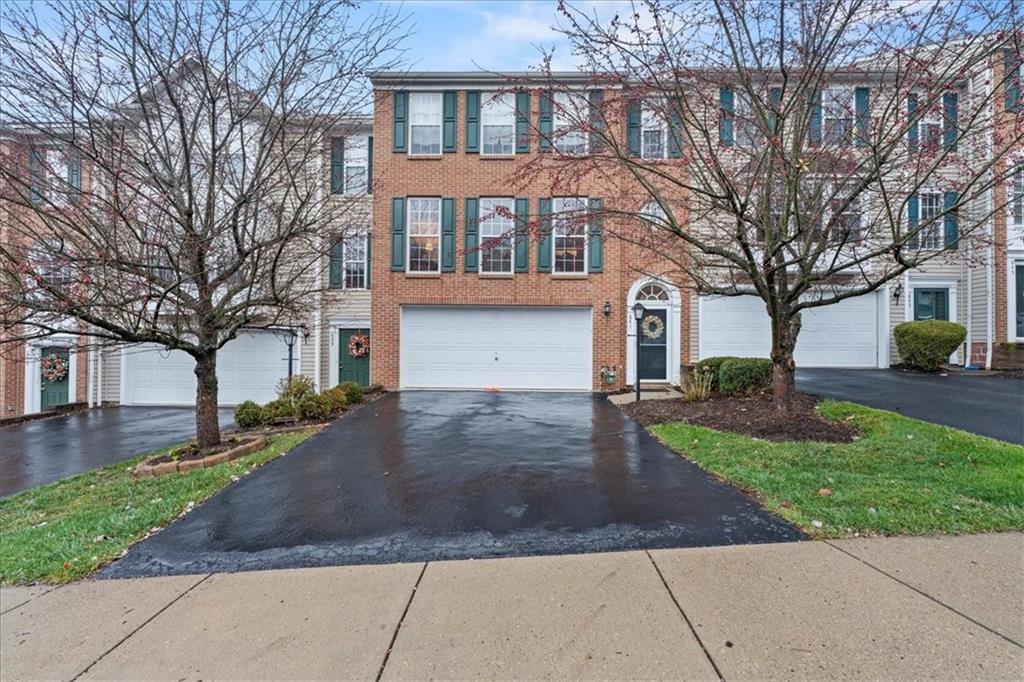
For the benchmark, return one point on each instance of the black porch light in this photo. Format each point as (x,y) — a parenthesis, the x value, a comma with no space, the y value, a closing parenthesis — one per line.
(638,314)
(607,309)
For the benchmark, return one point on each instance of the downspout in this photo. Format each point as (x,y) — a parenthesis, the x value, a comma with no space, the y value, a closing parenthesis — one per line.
(990,313)
(969,355)
(90,378)
(318,315)
(99,377)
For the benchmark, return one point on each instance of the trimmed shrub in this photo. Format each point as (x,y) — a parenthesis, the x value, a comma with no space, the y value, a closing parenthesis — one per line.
(336,399)
(927,344)
(743,376)
(711,366)
(248,415)
(294,389)
(353,391)
(278,409)
(313,407)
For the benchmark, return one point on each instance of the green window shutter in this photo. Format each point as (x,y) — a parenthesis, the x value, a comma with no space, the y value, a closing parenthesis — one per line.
(398,233)
(522,123)
(775,98)
(675,128)
(951,227)
(337,165)
(472,121)
(595,241)
(726,100)
(950,132)
(913,213)
(544,235)
(912,121)
(37,175)
(596,100)
(369,165)
(862,103)
(814,125)
(546,120)
(634,114)
(522,252)
(448,123)
(74,176)
(400,116)
(369,258)
(447,235)
(337,264)
(471,258)
(1011,79)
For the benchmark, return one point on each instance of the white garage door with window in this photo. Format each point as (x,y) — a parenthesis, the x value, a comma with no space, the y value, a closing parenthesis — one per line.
(474,347)
(845,334)
(248,368)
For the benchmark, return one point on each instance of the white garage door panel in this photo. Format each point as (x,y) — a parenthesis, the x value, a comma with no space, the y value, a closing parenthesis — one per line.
(248,368)
(844,334)
(483,347)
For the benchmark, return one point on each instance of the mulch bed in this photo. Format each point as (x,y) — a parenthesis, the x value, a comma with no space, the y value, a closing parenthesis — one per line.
(191,451)
(750,416)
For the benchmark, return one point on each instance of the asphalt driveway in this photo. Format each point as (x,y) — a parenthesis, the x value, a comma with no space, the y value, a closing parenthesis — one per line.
(38,452)
(990,406)
(420,476)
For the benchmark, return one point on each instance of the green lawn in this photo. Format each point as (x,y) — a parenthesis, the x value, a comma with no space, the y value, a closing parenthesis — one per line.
(901,477)
(65,530)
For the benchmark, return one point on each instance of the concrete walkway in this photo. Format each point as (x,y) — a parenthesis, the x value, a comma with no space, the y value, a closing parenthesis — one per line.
(914,608)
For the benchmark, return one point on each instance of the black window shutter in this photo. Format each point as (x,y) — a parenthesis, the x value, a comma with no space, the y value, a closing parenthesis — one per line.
(522,236)
(398,233)
(447,235)
(337,263)
(522,123)
(400,114)
(472,121)
(337,165)
(448,127)
(471,255)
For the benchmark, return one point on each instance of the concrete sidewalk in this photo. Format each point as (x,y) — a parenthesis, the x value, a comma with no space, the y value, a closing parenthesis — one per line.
(923,608)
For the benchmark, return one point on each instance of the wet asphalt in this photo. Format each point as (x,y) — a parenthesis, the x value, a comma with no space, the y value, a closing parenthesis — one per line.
(420,476)
(990,406)
(37,452)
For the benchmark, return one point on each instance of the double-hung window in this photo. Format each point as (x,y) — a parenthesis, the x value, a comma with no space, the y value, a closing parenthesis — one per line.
(837,114)
(497,229)
(425,116)
(846,217)
(1016,200)
(353,261)
(748,133)
(929,125)
(424,234)
(498,123)
(569,232)
(357,155)
(653,131)
(930,235)
(570,112)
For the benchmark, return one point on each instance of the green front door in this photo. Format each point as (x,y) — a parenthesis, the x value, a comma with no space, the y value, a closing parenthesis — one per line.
(931,304)
(351,368)
(55,391)
(654,346)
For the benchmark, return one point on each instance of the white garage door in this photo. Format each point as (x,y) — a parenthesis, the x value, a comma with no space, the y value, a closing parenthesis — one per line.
(492,347)
(844,334)
(248,368)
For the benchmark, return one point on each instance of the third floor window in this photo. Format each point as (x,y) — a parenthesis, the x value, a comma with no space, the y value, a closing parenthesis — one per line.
(498,123)
(425,118)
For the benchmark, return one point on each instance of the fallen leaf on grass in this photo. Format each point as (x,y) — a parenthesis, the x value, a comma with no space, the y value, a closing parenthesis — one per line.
(824,492)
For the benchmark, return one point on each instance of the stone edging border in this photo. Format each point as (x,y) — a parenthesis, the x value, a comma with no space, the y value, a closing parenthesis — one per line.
(144,470)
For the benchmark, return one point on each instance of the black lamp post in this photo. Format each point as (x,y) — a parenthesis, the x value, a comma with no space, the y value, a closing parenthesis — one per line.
(638,314)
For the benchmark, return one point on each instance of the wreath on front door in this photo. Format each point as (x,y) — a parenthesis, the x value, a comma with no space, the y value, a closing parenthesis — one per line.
(358,346)
(53,368)
(652,327)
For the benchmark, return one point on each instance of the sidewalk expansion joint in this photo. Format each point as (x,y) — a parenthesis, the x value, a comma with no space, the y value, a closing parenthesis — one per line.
(32,598)
(686,619)
(926,595)
(398,626)
(142,625)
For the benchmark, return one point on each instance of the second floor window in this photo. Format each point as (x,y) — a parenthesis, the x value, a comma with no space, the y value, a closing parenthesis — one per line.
(357,151)
(748,133)
(424,234)
(930,236)
(54,175)
(569,232)
(497,228)
(654,131)
(498,123)
(837,115)
(1016,199)
(570,112)
(846,217)
(929,124)
(425,117)
(353,256)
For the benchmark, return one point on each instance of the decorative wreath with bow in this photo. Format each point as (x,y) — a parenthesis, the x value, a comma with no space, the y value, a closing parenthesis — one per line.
(652,327)
(358,346)
(53,368)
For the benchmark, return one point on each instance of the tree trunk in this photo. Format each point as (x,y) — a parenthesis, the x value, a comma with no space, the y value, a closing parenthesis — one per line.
(784,334)
(207,420)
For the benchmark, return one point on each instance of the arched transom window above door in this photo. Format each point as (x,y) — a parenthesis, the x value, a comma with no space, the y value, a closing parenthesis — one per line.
(652,293)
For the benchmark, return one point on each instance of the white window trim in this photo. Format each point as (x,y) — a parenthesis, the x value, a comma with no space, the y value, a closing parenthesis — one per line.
(409,235)
(345,259)
(511,238)
(440,126)
(486,97)
(847,114)
(1011,224)
(573,97)
(364,161)
(662,126)
(33,375)
(586,240)
(930,282)
(1011,297)
(929,116)
(336,325)
(920,216)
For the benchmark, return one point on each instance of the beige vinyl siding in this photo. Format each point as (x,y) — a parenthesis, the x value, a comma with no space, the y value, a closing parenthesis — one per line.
(111,375)
(949,267)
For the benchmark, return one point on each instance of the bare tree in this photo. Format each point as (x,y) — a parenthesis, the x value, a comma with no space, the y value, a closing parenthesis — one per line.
(164,177)
(804,152)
